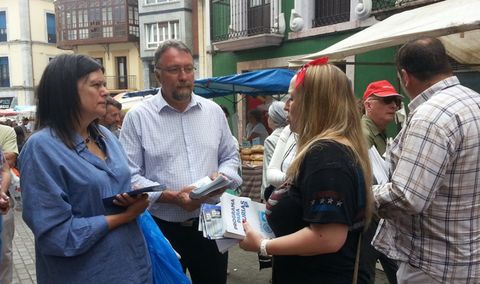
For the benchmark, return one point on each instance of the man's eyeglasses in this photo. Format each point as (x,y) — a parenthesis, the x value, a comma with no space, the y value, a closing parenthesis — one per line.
(388,100)
(175,70)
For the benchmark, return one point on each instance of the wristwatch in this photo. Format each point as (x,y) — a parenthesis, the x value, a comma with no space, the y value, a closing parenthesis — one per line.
(263,247)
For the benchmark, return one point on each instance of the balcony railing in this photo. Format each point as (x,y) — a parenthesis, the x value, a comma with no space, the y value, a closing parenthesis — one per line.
(236,19)
(384,8)
(128,82)
(331,12)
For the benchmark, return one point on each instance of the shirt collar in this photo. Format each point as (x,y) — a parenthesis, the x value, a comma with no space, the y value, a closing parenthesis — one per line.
(79,142)
(371,125)
(430,92)
(161,103)
(82,150)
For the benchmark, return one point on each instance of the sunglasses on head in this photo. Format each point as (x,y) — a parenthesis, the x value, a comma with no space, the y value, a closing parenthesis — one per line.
(388,100)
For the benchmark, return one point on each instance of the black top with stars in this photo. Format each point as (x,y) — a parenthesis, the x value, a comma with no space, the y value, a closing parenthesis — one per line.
(329,189)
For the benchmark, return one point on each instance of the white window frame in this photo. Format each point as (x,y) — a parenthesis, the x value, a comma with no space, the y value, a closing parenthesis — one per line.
(155,2)
(155,33)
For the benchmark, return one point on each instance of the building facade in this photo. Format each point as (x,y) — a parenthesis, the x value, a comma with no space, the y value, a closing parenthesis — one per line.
(107,30)
(259,34)
(161,20)
(27,43)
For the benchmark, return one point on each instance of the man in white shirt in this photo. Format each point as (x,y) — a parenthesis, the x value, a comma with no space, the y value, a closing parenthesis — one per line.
(176,138)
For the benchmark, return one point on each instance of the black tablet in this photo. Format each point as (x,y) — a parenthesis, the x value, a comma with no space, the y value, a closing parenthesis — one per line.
(108,201)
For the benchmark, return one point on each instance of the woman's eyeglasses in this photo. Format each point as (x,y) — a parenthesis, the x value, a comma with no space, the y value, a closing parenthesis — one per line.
(388,100)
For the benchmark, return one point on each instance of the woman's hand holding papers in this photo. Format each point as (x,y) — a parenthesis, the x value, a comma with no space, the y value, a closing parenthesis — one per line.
(252,239)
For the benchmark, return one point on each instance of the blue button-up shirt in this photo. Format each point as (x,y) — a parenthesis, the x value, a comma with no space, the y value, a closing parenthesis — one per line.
(62,191)
(178,148)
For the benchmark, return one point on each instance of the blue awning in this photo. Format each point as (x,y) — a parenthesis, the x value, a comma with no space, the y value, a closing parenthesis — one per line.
(261,82)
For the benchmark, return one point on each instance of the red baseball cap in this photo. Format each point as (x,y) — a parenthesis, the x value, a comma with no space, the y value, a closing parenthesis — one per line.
(380,89)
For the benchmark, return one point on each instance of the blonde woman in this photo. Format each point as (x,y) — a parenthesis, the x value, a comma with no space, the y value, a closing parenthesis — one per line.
(319,218)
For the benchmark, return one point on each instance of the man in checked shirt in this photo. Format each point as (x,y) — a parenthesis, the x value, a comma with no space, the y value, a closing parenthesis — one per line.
(431,205)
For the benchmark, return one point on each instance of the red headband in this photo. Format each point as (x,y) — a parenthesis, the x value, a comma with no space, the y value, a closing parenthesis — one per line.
(303,70)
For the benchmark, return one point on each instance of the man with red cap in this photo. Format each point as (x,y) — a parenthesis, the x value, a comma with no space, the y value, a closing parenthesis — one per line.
(380,101)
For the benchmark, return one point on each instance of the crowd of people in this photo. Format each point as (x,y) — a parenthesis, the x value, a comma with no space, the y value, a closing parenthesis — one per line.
(12,138)
(331,218)
(427,214)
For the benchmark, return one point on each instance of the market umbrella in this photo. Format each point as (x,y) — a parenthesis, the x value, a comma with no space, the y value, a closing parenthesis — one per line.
(260,82)
(8,112)
(455,23)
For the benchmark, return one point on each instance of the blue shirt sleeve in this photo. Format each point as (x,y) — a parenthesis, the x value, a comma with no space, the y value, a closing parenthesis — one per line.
(58,230)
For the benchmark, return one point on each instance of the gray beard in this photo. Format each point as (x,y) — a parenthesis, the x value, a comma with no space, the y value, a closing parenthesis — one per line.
(181,96)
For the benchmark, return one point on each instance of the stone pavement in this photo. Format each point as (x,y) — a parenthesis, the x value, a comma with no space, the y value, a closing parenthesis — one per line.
(23,253)
(243,268)
(243,265)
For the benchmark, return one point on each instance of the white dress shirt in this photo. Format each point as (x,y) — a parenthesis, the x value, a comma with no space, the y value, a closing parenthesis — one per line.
(176,148)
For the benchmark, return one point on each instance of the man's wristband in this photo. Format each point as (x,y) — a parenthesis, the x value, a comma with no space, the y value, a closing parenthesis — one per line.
(263,247)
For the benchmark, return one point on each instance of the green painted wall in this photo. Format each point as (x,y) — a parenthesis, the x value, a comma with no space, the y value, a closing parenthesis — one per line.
(369,67)
(230,104)
(224,63)
(221,17)
(384,69)
(287,6)
(366,71)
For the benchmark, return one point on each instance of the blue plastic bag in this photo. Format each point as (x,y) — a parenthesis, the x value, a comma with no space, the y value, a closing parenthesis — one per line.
(166,267)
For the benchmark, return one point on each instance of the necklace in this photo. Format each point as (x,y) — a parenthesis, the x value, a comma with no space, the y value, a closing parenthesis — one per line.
(88,139)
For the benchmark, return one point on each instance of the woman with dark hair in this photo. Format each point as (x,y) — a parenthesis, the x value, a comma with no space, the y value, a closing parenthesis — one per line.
(318,218)
(68,165)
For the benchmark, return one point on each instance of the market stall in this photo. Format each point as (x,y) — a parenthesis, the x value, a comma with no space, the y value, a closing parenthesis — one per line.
(254,83)
(455,23)
(265,82)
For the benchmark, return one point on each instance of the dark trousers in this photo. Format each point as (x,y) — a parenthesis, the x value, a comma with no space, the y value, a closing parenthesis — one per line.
(370,255)
(199,255)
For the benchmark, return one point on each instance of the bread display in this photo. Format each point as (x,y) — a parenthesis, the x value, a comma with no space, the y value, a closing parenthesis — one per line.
(252,156)
(245,157)
(257,149)
(256,157)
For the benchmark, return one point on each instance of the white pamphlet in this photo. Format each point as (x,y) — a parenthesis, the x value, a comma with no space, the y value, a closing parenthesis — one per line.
(237,209)
(206,186)
(379,166)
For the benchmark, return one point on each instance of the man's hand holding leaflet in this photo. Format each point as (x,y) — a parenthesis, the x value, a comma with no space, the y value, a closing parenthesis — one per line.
(207,186)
